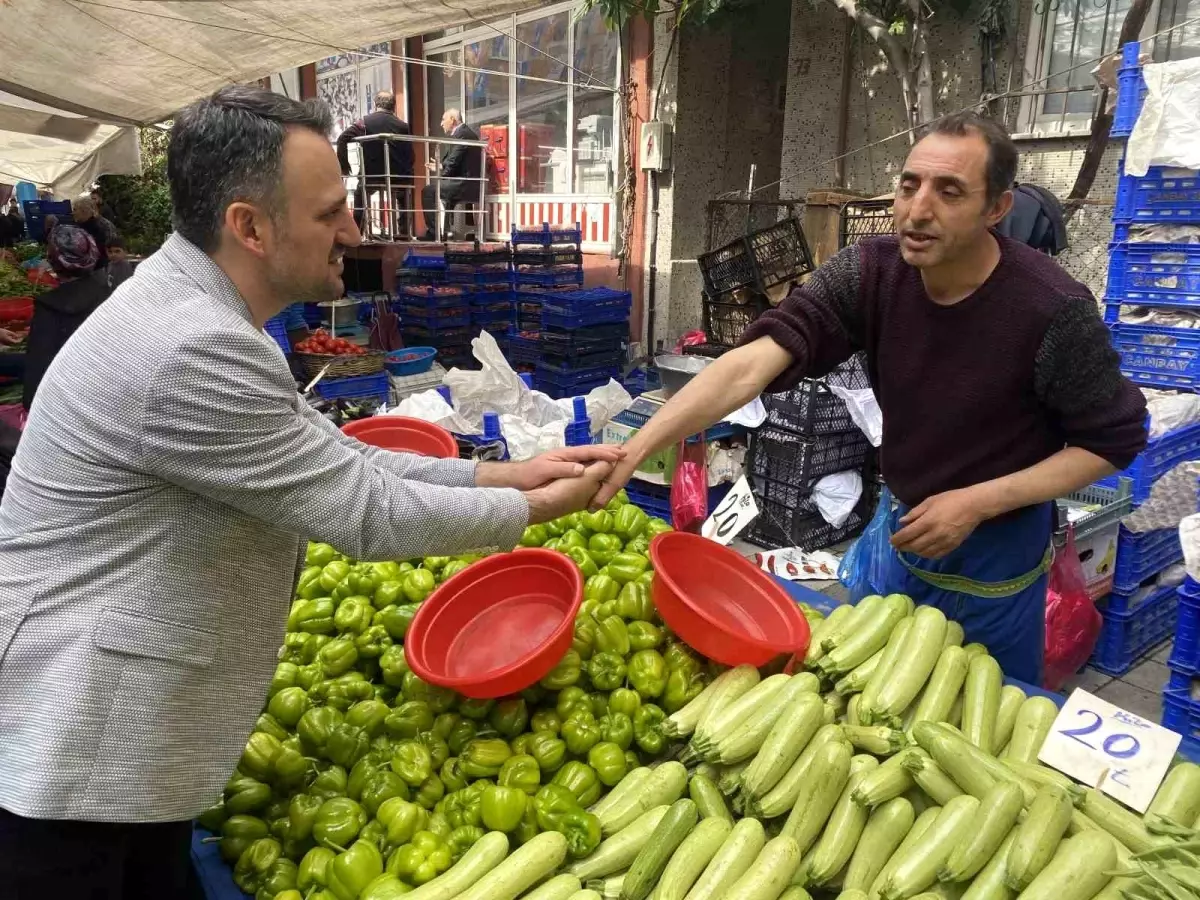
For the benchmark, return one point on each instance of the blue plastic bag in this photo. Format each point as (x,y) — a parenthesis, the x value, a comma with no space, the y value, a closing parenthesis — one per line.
(866,565)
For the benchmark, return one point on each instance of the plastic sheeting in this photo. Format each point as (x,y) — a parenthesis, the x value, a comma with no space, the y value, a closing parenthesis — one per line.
(1167,132)
(138,61)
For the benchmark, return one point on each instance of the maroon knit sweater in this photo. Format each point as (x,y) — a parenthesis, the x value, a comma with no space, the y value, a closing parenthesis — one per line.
(970,392)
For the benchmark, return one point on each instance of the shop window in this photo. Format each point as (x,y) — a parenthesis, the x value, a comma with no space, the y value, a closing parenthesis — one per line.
(595,59)
(486,91)
(543,109)
(445,88)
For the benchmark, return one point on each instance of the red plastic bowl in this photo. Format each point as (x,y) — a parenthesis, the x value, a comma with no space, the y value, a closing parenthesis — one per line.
(405,435)
(722,604)
(498,626)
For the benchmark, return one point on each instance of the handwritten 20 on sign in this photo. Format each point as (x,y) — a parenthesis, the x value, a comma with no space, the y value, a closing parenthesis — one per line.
(1107,748)
(732,515)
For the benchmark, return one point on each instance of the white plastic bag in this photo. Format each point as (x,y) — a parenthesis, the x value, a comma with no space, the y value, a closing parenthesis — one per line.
(1189,536)
(836,496)
(864,411)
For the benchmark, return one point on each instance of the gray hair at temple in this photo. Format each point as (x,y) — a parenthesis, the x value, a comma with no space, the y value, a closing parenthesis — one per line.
(229,148)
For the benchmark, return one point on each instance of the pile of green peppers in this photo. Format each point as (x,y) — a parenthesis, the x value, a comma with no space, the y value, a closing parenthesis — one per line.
(360,781)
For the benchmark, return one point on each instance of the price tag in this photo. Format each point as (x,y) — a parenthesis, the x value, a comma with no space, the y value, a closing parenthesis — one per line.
(1105,747)
(732,514)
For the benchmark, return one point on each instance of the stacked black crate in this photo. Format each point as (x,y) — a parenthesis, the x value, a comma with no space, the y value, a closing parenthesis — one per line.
(486,268)
(546,260)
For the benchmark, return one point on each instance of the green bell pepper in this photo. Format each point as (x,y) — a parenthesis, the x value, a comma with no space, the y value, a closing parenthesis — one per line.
(445,723)
(648,673)
(616,728)
(503,807)
(418,584)
(255,865)
(338,822)
(440,699)
(329,783)
(582,831)
(396,619)
(319,554)
(291,767)
(412,761)
(679,656)
(288,705)
(581,734)
(292,654)
(435,564)
(312,616)
(631,760)
(634,603)
(401,819)
(338,656)
(452,568)
(598,702)
(309,676)
(528,828)
(463,839)
(655,527)
(334,573)
(626,567)
(352,871)
(553,544)
(520,744)
(387,570)
(244,794)
(302,815)
(213,818)
(510,717)
(583,642)
(682,688)
(602,548)
(565,674)
(381,787)
(268,724)
(545,720)
(641,546)
(647,729)
(581,780)
(612,636)
(439,750)
(369,715)
(393,666)
(464,807)
(644,636)
(483,758)
(389,592)
(238,833)
(558,527)
(386,887)
(284,677)
(462,734)
(583,559)
(310,573)
(606,670)
(551,804)
(601,589)
(452,775)
(607,759)
(362,772)
(354,615)
(423,859)
(478,710)
(430,791)
(344,691)
(535,536)
(547,751)
(624,701)
(522,773)
(372,642)
(619,501)
(374,833)
(409,719)
(599,522)
(629,521)
(314,869)
(568,699)
(347,745)
(572,540)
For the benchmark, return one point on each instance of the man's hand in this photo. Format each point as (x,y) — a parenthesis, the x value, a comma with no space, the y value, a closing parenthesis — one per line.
(939,525)
(621,473)
(567,462)
(567,495)
(9,338)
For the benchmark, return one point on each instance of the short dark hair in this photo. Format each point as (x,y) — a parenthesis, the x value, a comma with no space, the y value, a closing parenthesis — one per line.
(1002,152)
(386,101)
(229,147)
(116,242)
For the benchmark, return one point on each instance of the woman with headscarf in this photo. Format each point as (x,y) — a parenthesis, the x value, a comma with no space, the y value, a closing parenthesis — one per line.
(58,312)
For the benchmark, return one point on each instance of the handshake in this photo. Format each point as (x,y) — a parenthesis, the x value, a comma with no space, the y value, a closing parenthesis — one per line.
(562,481)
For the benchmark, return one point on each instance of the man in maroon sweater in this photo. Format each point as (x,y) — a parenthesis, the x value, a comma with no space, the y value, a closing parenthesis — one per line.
(999,387)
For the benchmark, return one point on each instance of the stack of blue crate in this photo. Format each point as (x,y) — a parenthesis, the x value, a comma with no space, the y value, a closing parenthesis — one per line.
(1181,694)
(487,269)
(583,340)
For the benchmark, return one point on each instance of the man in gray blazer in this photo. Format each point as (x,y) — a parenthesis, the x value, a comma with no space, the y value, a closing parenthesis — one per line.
(159,504)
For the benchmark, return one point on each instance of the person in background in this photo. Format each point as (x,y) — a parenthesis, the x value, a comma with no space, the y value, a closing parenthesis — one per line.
(998,383)
(48,226)
(168,439)
(120,269)
(101,229)
(59,312)
(378,164)
(102,208)
(457,165)
(12,225)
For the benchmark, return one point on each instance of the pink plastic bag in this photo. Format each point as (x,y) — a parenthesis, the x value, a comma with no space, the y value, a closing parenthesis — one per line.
(689,487)
(1072,621)
(691,339)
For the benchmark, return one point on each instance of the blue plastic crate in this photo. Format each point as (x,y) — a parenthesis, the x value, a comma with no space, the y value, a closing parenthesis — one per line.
(276,327)
(435,319)
(1154,274)
(1155,356)
(1161,195)
(550,277)
(1131,94)
(1181,714)
(655,499)
(418,336)
(426,297)
(641,380)
(487,294)
(359,386)
(496,317)
(429,258)
(558,391)
(456,275)
(548,235)
(1185,655)
(1126,637)
(580,309)
(1141,555)
(1160,456)
(568,381)
(566,367)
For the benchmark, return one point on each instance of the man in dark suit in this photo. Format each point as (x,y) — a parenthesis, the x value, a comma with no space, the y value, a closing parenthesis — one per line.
(379,158)
(459,165)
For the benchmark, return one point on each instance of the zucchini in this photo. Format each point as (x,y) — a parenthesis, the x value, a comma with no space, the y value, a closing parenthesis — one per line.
(736,855)
(990,884)
(861,612)
(954,717)
(890,780)
(918,868)
(795,892)
(686,864)
(585,894)
(852,710)
(922,825)
(770,872)
(683,722)
(854,681)
(1038,775)
(930,778)
(1011,698)
(480,859)
(1119,822)
(665,784)
(877,739)
(944,686)
(920,800)
(529,864)
(653,857)
(891,653)
(627,786)
(730,778)
(951,753)
(748,737)
(787,739)
(922,647)
(1177,801)
(1038,837)
(852,894)
(1080,868)
(993,820)
(829,625)
(709,801)
(616,853)
(870,635)
(818,794)
(886,827)
(560,887)
(729,686)
(1034,719)
(844,828)
(722,723)
(954,635)
(975,649)
(609,888)
(782,796)
(981,701)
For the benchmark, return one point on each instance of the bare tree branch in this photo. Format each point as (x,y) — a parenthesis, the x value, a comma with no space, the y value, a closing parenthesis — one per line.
(897,56)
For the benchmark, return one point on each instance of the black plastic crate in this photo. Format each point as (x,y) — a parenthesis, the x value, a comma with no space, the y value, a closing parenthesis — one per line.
(781,455)
(710,351)
(585,340)
(725,321)
(565,365)
(548,256)
(812,408)
(760,260)
(477,254)
(787,516)
(865,218)
(416,336)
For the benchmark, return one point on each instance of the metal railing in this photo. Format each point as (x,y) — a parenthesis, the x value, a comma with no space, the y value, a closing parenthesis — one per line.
(376,224)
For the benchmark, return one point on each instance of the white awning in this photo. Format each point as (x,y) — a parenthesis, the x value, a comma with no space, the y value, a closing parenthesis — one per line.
(59,150)
(138,61)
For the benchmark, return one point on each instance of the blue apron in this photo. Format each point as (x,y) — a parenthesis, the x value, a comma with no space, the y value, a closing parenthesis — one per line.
(1012,627)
